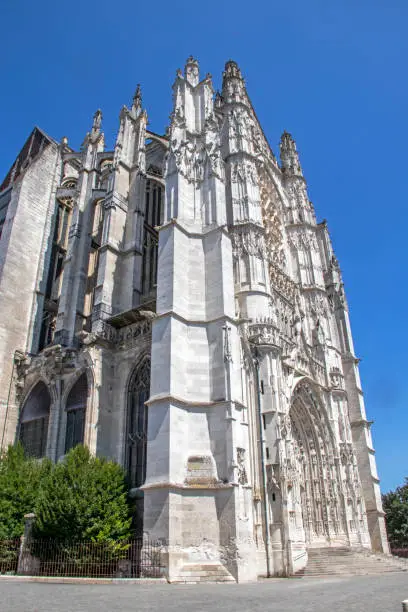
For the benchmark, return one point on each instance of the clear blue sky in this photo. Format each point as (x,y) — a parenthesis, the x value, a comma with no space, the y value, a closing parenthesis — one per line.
(334,73)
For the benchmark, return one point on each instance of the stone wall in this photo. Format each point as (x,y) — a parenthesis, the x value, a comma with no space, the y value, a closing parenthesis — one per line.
(23,258)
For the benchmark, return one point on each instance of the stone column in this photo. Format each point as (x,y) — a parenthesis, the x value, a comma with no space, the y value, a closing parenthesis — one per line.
(28,565)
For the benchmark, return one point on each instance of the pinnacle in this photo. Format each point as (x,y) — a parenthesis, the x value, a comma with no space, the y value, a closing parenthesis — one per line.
(191,60)
(232,70)
(287,141)
(137,98)
(97,120)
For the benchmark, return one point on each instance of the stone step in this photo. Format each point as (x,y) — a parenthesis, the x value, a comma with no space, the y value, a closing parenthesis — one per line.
(204,572)
(343,561)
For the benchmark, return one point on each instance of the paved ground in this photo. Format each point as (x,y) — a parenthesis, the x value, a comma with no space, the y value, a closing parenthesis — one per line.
(362,594)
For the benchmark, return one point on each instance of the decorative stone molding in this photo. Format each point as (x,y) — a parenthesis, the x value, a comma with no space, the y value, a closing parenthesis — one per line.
(248,240)
(283,283)
(124,337)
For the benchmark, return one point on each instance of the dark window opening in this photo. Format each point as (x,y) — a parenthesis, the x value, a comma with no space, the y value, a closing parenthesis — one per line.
(55,273)
(153,213)
(137,425)
(76,411)
(34,421)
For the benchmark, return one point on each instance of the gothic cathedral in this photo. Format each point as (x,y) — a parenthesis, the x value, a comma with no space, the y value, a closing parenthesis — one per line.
(174,305)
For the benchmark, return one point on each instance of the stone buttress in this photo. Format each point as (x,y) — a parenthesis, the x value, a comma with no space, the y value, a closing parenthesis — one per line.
(198,484)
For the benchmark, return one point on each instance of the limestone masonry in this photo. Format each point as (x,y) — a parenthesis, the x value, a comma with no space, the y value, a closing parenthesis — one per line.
(174,305)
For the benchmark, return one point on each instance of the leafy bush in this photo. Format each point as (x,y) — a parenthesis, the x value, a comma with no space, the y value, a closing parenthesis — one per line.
(395,505)
(84,498)
(21,478)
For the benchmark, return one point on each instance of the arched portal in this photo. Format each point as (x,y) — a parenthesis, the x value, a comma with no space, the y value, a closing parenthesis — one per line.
(76,411)
(314,494)
(136,434)
(34,421)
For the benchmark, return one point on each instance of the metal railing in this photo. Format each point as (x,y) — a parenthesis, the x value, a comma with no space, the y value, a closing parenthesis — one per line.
(138,558)
(9,552)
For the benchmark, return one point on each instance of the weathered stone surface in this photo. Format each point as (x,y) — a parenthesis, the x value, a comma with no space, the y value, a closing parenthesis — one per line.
(197,253)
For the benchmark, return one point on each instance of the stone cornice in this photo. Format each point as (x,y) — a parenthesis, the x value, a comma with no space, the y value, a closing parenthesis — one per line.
(187,403)
(193,233)
(199,322)
(166,484)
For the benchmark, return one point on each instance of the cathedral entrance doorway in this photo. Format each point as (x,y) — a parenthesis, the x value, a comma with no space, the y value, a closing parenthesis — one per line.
(313,490)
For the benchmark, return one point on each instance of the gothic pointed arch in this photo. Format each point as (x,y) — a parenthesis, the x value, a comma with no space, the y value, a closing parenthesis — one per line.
(76,411)
(314,489)
(34,421)
(136,426)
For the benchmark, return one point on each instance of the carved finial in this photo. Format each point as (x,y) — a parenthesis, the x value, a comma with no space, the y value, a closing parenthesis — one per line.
(289,156)
(97,121)
(137,99)
(233,84)
(64,141)
(232,70)
(191,71)
(218,100)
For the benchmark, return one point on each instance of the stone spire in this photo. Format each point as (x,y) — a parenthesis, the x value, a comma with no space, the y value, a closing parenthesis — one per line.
(191,71)
(289,156)
(233,84)
(137,101)
(97,122)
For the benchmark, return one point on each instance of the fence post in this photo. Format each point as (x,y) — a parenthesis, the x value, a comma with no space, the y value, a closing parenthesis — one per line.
(405,605)
(27,564)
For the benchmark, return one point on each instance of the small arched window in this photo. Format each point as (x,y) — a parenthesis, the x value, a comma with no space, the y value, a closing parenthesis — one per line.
(139,390)
(76,410)
(34,421)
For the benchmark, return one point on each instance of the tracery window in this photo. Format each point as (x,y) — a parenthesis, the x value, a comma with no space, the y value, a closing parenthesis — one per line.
(139,390)
(92,276)
(153,215)
(34,421)
(76,411)
(55,273)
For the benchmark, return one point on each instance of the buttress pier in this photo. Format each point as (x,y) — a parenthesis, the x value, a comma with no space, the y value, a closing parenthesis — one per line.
(182,312)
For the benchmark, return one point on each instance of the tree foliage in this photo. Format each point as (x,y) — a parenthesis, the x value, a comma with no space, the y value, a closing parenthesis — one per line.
(395,505)
(83,498)
(20,480)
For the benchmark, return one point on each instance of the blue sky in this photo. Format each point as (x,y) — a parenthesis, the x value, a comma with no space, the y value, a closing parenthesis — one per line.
(331,72)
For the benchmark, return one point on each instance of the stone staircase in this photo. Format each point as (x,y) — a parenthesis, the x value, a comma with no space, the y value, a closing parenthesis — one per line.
(347,561)
(208,572)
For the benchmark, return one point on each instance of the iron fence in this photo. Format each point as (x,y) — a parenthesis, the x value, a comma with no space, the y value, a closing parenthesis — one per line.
(138,558)
(9,552)
(400,552)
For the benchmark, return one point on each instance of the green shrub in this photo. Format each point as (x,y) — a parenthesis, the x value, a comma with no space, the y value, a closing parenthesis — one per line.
(20,482)
(84,498)
(395,505)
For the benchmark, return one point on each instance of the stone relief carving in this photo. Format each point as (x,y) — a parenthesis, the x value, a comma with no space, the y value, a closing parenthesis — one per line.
(121,338)
(242,474)
(247,241)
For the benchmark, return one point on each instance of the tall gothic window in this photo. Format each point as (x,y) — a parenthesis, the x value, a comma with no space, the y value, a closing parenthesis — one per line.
(76,410)
(34,421)
(137,424)
(92,275)
(54,279)
(153,213)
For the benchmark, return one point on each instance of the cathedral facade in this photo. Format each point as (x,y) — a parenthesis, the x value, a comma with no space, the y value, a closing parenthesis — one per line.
(174,305)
